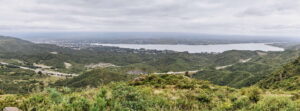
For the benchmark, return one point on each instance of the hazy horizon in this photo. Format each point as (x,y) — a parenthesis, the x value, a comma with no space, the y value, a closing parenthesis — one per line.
(139,35)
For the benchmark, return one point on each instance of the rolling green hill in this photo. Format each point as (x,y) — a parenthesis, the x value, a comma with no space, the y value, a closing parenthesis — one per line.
(239,75)
(19,46)
(9,44)
(249,73)
(94,78)
(103,89)
(157,61)
(287,77)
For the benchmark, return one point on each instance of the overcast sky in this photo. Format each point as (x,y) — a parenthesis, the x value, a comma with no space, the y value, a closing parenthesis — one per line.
(247,17)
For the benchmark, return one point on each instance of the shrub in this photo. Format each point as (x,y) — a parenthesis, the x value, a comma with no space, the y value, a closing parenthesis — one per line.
(253,93)
(36,102)
(242,102)
(78,104)
(55,96)
(101,101)
(9,101)
(1,92)
(204,98)
(272,103)
(186,86)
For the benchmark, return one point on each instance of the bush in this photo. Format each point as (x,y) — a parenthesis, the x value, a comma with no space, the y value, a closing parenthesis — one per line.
(78,104)
(9,101)
(253,93)
(55,96)
(164,80)
(1,92)
(204,98)
(242,102)
(130,97)
(36,102)
(272,103)
(101,101)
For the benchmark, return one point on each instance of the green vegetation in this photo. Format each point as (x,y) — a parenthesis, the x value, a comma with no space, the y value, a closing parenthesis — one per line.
(252,80)
(142,94)
(150,61)
(15,80)
(239,75)
(287,77)
(93,78)
(249,73)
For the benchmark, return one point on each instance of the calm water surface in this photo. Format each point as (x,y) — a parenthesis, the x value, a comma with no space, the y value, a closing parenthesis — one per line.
(200,48)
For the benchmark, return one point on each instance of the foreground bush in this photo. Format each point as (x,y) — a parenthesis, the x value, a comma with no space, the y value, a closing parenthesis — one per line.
(142,94)
(273,103)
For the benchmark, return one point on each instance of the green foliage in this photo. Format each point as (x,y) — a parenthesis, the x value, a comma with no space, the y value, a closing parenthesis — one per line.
(148,92)
(145,96)
(204,97)
(253,93)
(36,102)
(276,104)
(19,81)
(130,97)
(94,78)
(150,61)
(246,74)
(54,95)
(101,101)
(286,78)
(77,104)
(162,81)
(242,102)
(9,100)
(230,57)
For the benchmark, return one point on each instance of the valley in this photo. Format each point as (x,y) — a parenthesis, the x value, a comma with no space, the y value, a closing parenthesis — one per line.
(111,78)
(149,55)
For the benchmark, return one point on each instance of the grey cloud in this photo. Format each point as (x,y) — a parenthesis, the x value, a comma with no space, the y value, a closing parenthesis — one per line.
(253,12)
(276,7)
(205,16)
(283,27)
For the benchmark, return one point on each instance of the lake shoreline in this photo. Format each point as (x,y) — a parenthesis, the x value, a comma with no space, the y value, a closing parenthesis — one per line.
(216,48)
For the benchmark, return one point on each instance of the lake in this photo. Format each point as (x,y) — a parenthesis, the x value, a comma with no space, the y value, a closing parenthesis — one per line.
(219,48)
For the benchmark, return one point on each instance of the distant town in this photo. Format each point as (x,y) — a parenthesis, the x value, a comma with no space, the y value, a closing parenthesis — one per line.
(78,45)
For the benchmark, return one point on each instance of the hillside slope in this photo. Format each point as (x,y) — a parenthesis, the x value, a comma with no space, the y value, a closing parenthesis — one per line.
(287,77)
(9,44)
(150,61)
(93,78)
(155,92)
(248,73)
(19,46)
